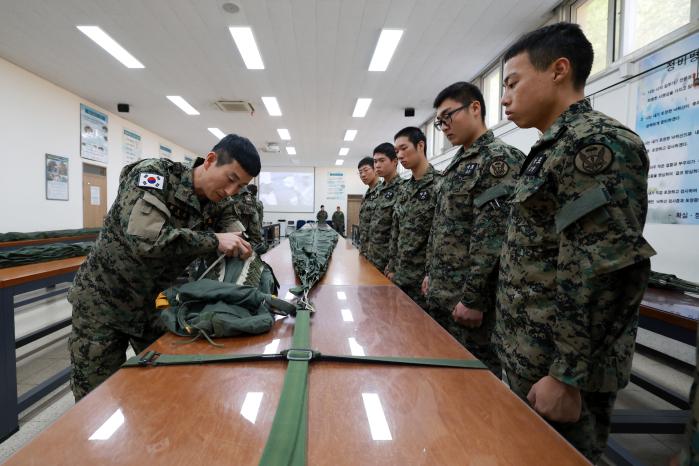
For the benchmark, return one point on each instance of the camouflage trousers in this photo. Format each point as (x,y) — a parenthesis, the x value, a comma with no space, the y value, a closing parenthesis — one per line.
(476,340)
(415,294)
(97,350)
(588,435)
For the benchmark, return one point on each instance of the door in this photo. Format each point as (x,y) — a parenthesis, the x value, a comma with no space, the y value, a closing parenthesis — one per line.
(354,201)
(94,195)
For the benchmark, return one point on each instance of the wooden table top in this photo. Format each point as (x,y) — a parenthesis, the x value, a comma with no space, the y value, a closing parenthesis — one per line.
(12,276)
(674,307)
(359,414)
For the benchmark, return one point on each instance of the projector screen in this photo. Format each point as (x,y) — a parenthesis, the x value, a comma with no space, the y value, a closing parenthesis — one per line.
(287,189)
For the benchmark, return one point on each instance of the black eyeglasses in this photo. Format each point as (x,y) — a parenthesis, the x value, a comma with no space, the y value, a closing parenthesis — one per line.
(446,118)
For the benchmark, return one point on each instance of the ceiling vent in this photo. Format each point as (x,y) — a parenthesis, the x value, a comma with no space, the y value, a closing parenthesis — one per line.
(271,148)
(235,106)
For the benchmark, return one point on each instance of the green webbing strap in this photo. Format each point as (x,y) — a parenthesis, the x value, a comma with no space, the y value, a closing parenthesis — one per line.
(151,358)
(286,444)
(458,363)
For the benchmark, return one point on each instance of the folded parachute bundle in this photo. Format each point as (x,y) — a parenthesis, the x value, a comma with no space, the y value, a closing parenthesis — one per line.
(241,301)
(311,249)
(43,253)
(18,236)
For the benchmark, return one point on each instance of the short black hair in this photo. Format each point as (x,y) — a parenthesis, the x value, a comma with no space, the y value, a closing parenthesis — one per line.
(461,92)
(415,135)
(365,161)
(322,207)
(549,43)
(234,147)
(252,189)
(387,149)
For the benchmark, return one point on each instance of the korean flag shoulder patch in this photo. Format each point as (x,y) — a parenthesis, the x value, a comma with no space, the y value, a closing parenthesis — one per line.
(151,180)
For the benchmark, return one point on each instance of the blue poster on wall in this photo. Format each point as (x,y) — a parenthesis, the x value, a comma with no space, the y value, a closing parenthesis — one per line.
(667,119)
(94,134)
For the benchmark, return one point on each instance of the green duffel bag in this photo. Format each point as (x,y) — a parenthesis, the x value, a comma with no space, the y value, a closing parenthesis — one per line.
(212,309)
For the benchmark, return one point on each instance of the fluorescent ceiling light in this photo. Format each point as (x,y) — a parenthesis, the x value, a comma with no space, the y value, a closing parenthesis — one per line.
(183,104)
(347,315)
(343,151)
(251,405)
(273,347)
(217,132)
(355,348)
(110,426)
(247,47)
(361,107)
(291,150)
(350,134)
(385,46)
(339,162)
(376,417)
(284,134)
(272,106)
(112,47)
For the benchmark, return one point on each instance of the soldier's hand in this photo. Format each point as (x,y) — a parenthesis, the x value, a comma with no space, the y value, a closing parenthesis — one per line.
(232,244)
(425,285)
(555,400)
(467,317)
(390,275)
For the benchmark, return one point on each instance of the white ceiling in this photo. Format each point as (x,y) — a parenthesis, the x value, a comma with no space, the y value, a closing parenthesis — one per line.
(316,56)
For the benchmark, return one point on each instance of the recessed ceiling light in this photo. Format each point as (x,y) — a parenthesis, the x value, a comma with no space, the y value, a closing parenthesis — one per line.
(183,104)
(385,46)
(272,106)
(343,151)
(361,107)
(217,132)
(112,47)
(290,150)
(247,47)
(284,134)
(339,162)
(350,134)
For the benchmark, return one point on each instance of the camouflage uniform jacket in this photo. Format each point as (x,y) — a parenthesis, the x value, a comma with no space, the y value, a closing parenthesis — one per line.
(154,229)
(246,210)
(366,211)
(382,222)
(469,224)
(322,216)
(338,220)
(574,264)
(260,210)
(412,220)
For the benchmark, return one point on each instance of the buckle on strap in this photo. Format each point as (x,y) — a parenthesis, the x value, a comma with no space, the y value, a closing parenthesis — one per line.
(293,354)
(149,358)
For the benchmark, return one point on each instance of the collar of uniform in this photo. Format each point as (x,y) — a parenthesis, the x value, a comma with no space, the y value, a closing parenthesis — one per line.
(185,188)
(426,178)
(562,122)
(484,139)
(395,180)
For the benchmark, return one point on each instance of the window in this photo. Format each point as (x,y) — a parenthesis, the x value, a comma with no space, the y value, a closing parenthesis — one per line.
(593,18)
(648,20)
(491,96)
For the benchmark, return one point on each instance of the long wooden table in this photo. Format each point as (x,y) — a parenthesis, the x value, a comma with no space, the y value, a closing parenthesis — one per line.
(15,281)
(359,414)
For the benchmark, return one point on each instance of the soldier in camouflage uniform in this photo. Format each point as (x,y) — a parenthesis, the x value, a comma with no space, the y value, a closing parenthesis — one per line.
(158,224)
(469,224)
(339,221)
(246,210)
(322,215)
(366,210)
(574,265)
(412,214)
(258,203)
(386,165)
